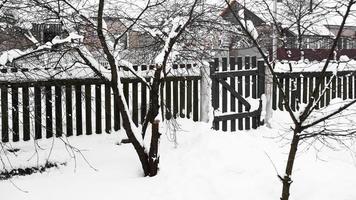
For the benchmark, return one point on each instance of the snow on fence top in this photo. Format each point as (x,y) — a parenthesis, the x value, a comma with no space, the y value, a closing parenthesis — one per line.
(344,64)
(146,71)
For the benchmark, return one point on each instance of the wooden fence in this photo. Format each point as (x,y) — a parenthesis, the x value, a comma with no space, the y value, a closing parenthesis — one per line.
(237,85)
(44,109)
(299,86)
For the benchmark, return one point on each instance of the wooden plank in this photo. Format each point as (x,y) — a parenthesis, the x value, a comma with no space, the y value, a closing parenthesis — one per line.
(344,87)
(237,116)
(235,94)
(195,101)
(261,78)
(143,102)
(214,89)
(354,77)
(350,87)
(317,80)
(168,100)
(135,103)
(26,113)
(240,91)
(305,90)
(107,108)
(232,98)
(78,109)
(261,86)
(311,87)
(293,93)
(328,92)
(334,87)
(4,115)
(69,112)
(189,99)
(254,89)
(15,114)
(224,94)
(175,98)
(299,93)
(287,91)
(98,110)
(275,91)
(49,113)
(280,96)
(88,122)
(339,86)
(58,109)
(247,90)
(38,113)
(322,88)
(116,114)
(242,73)
(182,99)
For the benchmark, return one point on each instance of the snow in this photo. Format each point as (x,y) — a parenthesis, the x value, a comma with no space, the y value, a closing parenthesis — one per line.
(9,56)
(177,24)
(207,164)
(344,64)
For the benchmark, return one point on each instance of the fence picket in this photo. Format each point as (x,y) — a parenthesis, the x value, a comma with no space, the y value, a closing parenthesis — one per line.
(4,115)
(69,112)
(26,113)
(58,107)
(15,114)
(232,99)
(240,91)
(88,122)
(98,112)
(49,113)
(38,113)
(78,109)
(224,95)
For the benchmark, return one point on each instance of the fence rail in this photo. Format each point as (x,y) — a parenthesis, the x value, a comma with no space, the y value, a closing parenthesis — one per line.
(55,108)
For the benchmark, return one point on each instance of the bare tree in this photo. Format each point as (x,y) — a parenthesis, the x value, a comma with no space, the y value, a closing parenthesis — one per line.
(171,26)
(306,125)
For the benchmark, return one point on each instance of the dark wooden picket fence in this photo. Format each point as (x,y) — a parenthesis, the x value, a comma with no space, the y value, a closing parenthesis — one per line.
(55,108)
(298,87)
(234,80)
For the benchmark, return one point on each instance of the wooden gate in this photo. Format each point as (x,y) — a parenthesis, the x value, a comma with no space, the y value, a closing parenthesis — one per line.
(237,86)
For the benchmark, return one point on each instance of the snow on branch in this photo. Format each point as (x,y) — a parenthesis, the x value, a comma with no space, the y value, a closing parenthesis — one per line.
(13,54)
(177,24)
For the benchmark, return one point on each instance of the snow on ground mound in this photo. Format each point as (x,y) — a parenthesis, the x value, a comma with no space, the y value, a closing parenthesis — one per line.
(207,164)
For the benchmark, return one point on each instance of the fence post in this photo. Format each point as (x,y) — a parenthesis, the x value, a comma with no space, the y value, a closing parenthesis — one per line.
(205,92)
(268,79)
(261,85)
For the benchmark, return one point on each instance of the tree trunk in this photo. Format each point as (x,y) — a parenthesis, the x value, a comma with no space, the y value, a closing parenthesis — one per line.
(126,125)
(153,156)
(286,180)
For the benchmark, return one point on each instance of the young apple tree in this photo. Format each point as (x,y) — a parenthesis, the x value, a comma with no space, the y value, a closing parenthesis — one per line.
(309,123)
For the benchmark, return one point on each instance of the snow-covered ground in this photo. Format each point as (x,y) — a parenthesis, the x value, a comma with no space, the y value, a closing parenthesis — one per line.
(207,164)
